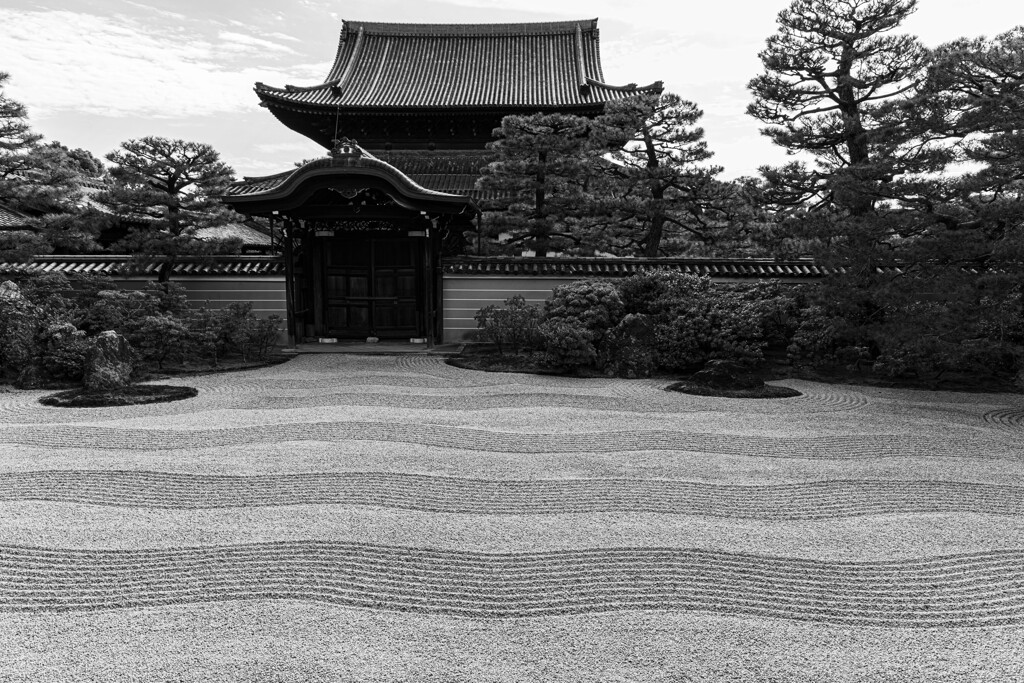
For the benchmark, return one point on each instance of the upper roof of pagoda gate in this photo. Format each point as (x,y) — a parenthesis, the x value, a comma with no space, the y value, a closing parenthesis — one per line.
(388,79)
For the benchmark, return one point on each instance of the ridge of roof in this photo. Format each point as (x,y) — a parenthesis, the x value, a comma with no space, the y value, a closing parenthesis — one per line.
(456,30)
(306,88)
(262,178)
(656,86)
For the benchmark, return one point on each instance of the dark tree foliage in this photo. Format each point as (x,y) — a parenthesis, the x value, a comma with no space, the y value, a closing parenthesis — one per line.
(168,190)
(916,191)
(43,182)
(654,191)
(829,69)
(538,180)
(16,141)
(82,160)
(968,119)
(50,182)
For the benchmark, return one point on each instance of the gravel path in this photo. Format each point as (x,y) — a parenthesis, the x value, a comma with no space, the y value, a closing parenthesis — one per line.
(397,519)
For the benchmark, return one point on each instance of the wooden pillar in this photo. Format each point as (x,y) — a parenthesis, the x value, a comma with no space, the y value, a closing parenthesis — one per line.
(315,267)
(289,280)
(428,280)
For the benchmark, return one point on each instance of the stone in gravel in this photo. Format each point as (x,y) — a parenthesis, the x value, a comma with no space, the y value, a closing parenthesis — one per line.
(108,365)
(10,291)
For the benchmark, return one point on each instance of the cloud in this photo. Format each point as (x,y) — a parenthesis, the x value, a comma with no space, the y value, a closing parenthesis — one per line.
(299,147)
(254,167)
(161,12)
(120,66)
(246,43)
(281,36)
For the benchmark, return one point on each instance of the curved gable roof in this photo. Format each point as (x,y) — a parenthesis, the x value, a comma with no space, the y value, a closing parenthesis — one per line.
(351,162)
(535,65)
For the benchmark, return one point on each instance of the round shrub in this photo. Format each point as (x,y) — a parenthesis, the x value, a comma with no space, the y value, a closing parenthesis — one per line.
(577,321)
(63,351)
(514,326)
(19,320)
(160,338)
(632,348)
(568,344)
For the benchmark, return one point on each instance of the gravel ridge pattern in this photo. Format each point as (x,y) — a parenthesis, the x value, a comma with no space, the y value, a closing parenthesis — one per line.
(442,436)
(393,518)
(810,500)
(981,589)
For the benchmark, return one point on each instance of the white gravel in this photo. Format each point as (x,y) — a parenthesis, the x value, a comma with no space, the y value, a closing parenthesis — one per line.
(440,421)
(291,641)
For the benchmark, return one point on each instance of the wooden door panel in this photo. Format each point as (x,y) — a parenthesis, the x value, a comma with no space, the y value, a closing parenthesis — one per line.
(371,287)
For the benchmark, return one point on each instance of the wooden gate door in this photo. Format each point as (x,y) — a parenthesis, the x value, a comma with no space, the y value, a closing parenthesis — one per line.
(371,287)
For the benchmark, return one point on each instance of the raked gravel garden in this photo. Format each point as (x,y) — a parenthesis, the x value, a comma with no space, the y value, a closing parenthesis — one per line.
(394,518)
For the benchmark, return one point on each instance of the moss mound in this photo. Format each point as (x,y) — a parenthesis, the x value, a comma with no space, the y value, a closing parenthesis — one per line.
(133,395)
(763,391)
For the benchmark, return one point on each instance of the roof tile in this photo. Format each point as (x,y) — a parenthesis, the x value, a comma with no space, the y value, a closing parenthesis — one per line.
(752,268)
(553,64)
(123,265)
(11,219)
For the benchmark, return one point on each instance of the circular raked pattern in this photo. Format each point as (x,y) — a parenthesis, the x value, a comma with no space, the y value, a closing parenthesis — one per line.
(1012,418)
(546,460)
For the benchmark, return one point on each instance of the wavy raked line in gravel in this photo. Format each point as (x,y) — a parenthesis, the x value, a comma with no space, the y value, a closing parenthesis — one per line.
(789,501)
(24,409)
(968,590)
(475,439)
(923,589)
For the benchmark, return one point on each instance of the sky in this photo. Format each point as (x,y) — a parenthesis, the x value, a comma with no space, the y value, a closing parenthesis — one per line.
(94,73)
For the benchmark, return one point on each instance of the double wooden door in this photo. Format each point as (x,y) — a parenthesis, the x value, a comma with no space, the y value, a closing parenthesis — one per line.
(372,287)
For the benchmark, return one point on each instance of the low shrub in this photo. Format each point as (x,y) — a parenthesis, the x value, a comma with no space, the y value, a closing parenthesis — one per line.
(160,338)
(19,321)
(917,327)
(169,297)
(38,341)
(654,320)
(239,331)
(118,310)
(695,321)
(254,337)
(567,344)
(62,351)
(513,327)
(47,322)
(655,291)
(214,334)
(632,348)
(577,322)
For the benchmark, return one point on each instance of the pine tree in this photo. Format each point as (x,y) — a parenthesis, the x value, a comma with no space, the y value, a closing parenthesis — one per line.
(931,250)
(538,179)
(16,142)
(169,189)
(829,70)
(655,188)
